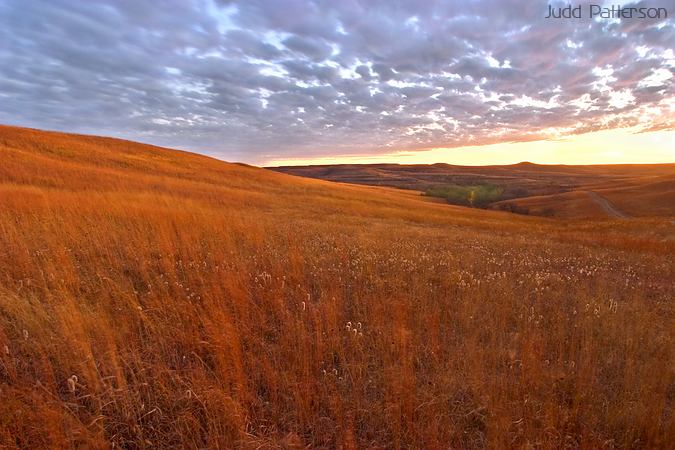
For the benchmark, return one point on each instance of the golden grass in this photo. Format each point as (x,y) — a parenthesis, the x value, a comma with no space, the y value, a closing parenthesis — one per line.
(154,298)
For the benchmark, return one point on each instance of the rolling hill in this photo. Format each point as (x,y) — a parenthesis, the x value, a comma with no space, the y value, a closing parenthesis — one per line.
(548,190)
(650,196)
(157,298)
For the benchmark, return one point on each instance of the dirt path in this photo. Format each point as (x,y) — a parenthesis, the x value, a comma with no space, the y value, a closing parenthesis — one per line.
(607,206)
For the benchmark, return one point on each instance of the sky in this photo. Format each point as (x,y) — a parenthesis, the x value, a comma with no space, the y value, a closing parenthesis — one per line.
(271,82)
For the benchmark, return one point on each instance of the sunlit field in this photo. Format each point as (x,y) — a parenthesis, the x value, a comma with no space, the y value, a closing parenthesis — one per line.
(151,297)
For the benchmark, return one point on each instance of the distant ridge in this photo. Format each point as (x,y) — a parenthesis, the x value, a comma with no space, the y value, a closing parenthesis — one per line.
(521,183)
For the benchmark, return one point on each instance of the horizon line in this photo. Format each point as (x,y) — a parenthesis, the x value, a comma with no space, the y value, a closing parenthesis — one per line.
(412,157)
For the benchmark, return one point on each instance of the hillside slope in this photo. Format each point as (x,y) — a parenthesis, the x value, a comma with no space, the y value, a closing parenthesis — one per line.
(638,197)
(156,298)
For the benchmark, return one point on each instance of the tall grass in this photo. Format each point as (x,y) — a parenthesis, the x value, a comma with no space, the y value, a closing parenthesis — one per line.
(151,298)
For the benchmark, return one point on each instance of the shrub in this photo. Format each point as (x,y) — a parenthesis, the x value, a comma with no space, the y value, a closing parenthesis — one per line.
(477,196)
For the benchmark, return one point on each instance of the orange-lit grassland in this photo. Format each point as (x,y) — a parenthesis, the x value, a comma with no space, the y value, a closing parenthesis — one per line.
(645,196)
(206,304)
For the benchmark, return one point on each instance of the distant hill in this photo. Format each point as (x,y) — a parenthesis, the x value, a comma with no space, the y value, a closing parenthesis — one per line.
(552,185)
(636,197)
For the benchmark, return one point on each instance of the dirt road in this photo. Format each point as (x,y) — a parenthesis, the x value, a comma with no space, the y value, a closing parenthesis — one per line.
(607,206)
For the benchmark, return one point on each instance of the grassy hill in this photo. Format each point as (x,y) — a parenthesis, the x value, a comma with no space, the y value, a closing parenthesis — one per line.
(649,196)
(151,297)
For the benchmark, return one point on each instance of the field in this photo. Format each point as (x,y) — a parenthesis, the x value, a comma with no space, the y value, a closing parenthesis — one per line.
(156,298)
(543,190)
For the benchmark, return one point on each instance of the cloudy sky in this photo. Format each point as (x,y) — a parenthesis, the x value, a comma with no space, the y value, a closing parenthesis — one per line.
(270,81)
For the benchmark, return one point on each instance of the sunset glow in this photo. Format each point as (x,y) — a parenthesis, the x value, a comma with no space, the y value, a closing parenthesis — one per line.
(621,146)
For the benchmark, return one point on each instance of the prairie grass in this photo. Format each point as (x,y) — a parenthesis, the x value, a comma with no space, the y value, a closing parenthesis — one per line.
(154,298)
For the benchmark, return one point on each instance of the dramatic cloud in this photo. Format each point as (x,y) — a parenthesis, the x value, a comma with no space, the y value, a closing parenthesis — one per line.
(266,79)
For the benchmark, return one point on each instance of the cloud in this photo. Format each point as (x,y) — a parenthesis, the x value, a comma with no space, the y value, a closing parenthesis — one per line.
(261,79)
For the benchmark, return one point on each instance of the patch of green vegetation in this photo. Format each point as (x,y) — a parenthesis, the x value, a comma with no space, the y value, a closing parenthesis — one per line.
(478,196)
